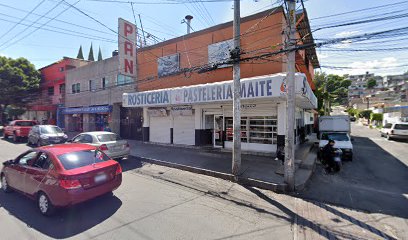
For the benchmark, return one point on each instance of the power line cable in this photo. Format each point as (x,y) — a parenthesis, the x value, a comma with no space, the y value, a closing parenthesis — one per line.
(22,19)
(42,25)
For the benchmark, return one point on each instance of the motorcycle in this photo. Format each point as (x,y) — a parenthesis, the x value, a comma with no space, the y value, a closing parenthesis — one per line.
(337,159)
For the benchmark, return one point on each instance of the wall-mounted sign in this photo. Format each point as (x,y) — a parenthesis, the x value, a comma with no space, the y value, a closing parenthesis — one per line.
(157,112)
(251,88)
(127,48)
(182,111)
(248,106)
(168,65)
(220,52)
(92,109)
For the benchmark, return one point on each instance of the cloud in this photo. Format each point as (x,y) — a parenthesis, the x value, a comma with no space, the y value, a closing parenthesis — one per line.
(322,55)
(345,34)
(384,66)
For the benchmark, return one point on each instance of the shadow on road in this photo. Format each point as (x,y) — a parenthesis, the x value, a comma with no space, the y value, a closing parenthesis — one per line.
(131,163)
(375,181)
(67,222)
(10,140)
(316,227)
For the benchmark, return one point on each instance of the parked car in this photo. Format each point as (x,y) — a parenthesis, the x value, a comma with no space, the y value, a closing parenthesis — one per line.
(110,143)
(395,131)
(61,175)
(46,134)
(18,129)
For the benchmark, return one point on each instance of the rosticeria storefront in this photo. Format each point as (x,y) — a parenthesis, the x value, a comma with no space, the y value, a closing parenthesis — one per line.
(202,114)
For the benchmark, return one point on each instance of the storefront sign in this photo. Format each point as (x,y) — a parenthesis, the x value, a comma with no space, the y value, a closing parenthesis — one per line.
(92,109)
(252,88)
(127,48)
(182,111)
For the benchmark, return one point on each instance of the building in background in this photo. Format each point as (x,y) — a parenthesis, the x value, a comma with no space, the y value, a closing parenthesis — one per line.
(94,97)
(52,91)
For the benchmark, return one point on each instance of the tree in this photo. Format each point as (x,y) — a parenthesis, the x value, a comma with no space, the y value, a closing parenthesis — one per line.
(100,54)
(91,54)
(345,83)
(19,83)
(371,83)
(80,54)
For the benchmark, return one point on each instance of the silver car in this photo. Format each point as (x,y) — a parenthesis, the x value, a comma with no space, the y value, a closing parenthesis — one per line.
(110,143)
(41,135)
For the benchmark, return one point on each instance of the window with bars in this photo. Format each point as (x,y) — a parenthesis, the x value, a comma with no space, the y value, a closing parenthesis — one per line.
(258,129)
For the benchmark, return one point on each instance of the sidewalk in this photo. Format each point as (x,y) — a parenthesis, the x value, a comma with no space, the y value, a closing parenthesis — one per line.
(260,171)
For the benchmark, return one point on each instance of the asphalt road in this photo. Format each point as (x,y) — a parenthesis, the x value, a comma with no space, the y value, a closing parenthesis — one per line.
(375,181)
(153,203)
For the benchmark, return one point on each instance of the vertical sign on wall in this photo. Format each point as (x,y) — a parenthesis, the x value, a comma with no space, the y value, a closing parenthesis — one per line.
(127,48)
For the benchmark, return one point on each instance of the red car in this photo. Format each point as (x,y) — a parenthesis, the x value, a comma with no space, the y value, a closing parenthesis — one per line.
(18,129)
(61,175)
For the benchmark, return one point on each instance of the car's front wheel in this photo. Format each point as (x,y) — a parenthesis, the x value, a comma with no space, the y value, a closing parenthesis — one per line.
(44,204)
(4,184)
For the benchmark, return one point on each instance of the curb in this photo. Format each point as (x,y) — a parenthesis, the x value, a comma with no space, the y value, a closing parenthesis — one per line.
(226,176)
(303,185)
(207,172)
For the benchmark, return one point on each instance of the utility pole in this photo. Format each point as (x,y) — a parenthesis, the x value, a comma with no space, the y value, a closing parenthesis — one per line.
(289,171)
(325,97)
(235,55)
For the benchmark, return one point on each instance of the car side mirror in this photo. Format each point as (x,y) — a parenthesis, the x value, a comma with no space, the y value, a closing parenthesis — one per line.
(9,162)
(69,141)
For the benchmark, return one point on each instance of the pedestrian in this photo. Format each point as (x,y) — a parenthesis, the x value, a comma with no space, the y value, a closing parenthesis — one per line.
(107,128)
(328,153)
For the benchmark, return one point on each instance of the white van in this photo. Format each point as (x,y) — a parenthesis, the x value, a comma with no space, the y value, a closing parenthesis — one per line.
(395,130)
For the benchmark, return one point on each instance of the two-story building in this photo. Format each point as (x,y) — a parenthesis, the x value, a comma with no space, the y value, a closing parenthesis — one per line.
(185,87)
(52,91)
(94,97)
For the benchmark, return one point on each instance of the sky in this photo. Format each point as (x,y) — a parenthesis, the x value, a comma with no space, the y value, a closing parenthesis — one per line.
(42,36)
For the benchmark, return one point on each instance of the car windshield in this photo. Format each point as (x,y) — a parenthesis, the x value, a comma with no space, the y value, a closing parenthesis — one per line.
(25,124)
(82,158)
(401,126)
(108,137)
(335,136)
(50,129)
(388,125)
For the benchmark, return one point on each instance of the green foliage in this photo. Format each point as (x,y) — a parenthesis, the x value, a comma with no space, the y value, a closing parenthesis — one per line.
(100,54)
(365,114)
(80,54)
(333,88)
(376,116)
(353,112)
(91,54)
(371,83)
(19,82)
(15,111)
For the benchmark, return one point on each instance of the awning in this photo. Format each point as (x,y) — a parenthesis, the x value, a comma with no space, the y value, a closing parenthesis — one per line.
(261,87)
(91,109)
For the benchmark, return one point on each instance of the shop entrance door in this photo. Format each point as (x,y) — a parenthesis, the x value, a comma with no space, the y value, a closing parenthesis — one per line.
(218,132)
(131,123)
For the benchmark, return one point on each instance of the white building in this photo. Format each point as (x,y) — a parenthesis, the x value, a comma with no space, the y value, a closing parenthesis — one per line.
(202,114)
